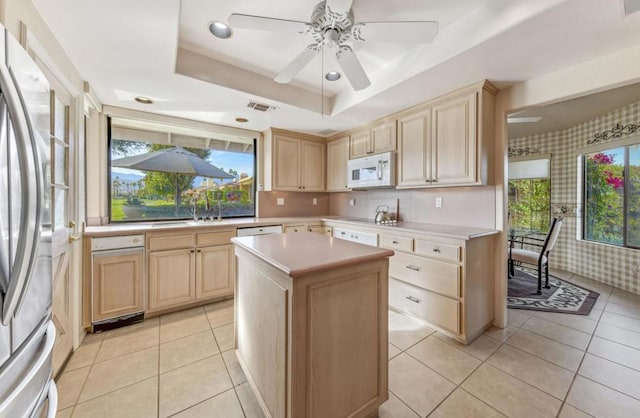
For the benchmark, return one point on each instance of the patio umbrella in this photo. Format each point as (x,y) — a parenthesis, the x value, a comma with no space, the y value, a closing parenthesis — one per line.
(175,160)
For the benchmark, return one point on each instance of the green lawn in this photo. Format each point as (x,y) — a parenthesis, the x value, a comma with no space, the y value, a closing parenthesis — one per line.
(117,213)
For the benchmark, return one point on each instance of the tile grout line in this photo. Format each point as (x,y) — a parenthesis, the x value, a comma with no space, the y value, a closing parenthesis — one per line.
(198,403)
(584,354)
(84,384)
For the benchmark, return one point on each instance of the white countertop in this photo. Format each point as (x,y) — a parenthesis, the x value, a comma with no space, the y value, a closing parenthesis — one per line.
(450,231)
(305,253)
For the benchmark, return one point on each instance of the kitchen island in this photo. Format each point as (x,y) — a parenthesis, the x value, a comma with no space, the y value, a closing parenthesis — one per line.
(311,324)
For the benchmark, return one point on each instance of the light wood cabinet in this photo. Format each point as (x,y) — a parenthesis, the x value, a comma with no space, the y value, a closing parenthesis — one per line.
(294,162)
(187,268)
(171,278)
(454,140)
(444,281)
(214,271)
(444,143)
(117,287)
(337,170)
(414,155)
(321,229)
(377,139)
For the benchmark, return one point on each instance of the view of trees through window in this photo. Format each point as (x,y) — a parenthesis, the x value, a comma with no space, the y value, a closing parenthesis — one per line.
(151,187)
(612,196)
(529,204)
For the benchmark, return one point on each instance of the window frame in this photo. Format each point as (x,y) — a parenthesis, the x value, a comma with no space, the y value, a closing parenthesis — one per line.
(603,148)
(532,157)
(132,221)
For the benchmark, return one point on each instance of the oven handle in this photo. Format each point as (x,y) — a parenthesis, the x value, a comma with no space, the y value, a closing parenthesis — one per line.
(379,169)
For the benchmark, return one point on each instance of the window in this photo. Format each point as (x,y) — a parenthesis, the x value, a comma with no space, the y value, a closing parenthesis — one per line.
(612,196)
(530,194)
(147,179)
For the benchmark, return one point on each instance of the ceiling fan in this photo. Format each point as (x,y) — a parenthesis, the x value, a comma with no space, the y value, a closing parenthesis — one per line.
(332,25)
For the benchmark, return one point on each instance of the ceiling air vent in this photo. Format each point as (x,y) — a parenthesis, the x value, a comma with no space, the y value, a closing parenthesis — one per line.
(327,132)
(261,107)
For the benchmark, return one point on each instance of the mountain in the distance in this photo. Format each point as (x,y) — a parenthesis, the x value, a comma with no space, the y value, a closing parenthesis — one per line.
(126,177)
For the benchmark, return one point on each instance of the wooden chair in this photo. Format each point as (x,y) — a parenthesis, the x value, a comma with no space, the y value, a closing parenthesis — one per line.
(536,258)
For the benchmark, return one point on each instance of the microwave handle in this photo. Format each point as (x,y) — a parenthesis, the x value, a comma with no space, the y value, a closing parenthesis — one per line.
(379,169)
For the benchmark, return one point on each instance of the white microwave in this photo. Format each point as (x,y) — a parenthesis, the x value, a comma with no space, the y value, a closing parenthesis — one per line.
(372,171)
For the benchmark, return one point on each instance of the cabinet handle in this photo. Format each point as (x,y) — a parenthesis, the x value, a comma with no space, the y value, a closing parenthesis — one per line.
(413,299)
(436,250)
(434,181)
(394,242)
(193,251)
(199,251)
(414,268)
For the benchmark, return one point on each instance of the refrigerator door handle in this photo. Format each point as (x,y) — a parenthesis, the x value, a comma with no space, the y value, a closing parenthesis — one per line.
(52,407)
(33,256)
(28,218)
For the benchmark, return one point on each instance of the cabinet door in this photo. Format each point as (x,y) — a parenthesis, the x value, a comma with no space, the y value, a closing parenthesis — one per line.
(454,140)
(383,137)
(313,166)
(360,144)
(286,165)
(171,279)
(337,158)
(294,228)
(117,285)
(214,271)
(414,164)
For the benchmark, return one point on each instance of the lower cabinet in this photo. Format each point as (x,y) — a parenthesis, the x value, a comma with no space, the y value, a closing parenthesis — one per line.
(214,271)
(443,281)
(171,280)
(117,285)
(201,271)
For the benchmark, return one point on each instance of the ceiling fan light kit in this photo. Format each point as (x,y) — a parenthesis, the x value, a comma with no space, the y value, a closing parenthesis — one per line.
(332,25)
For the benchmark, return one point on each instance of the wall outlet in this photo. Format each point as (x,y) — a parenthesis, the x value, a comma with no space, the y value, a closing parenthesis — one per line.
(352,202)
(315,201)
(438,202)
(280,201)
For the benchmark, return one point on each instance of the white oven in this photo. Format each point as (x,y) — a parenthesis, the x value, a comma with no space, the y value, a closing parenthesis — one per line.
(372,171)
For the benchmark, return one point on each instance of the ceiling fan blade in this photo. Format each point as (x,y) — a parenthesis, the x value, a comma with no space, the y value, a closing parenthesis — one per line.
(295,66)
(339,6)
(240,21)
(413,32)
(351,66)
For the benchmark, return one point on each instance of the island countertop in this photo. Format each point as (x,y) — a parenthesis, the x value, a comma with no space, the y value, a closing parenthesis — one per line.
(305,253)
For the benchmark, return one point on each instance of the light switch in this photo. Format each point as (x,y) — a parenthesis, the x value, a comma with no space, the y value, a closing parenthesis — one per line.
(315,201)
(280,201)
(352,202)
(438,202)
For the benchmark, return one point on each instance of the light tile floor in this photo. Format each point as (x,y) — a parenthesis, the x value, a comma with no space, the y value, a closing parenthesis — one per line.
(540,365)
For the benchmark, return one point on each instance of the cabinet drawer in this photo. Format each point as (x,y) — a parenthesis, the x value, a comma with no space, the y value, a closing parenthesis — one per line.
(295,228)
(214,238)
(396,243)
(436,309)
(170,242)
(426,273)
(320,229)
(437,250)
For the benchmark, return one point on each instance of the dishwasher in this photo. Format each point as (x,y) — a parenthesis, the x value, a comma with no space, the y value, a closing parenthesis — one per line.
(117,281)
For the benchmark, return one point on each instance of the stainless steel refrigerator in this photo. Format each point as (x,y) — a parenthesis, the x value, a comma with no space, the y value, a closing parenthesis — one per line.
(27,333)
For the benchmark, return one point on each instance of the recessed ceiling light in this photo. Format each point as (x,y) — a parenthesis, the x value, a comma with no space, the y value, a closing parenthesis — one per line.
(528,119)
(220,30)
(143,100)
(242,120)
(332,76)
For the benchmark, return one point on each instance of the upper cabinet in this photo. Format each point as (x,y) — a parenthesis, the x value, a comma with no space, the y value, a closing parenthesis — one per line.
(444,143)
(293,162)
(379,138)
(337,157)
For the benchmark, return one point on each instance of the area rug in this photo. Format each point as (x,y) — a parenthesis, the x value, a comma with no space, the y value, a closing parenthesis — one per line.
(563,297)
